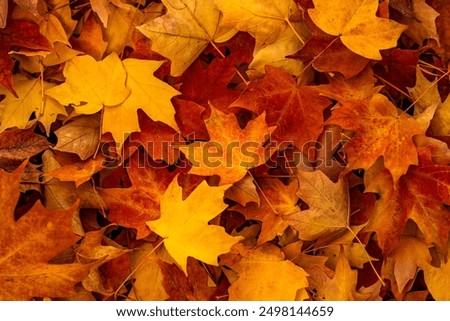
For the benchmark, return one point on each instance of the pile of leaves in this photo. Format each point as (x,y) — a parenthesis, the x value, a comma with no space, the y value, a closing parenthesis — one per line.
(224,150)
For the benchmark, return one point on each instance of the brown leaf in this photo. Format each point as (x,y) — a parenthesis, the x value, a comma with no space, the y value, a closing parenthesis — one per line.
(179,287)
(24,269)
(81,136)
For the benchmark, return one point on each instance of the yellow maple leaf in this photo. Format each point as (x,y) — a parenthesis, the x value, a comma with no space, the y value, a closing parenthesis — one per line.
(356,23)
(185,31)
(16,112)
(231,150)
(90,85)
(256,277)
(265,20)
(119,88)
(184,224)
(147,93)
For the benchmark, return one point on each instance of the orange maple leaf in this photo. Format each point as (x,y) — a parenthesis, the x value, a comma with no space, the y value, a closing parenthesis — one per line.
(24,256)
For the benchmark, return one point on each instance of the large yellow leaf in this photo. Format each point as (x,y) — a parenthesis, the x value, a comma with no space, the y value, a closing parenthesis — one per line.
(356,24)
(265,20)
(16,112)
(147,93)
(185,31)
(91,85)
(258,279)
(184,224)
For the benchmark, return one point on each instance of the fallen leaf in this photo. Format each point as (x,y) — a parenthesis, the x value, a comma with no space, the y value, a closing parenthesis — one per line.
(85,86)
(194,237)
(380,130)
(243,192)
(78,172)
(18,34)
(185,31)
(148,276)
(134,206)
(265,20)
(356,24)
(406,258)
(256,284)
(231,150)
(147,93)
(328,212)
(422,23)
(297,111)
(24,267)
(16,112)
(427,189)
(277,201)
(193,287)
(90,38)
(342,287)
(427,94)
(81,136)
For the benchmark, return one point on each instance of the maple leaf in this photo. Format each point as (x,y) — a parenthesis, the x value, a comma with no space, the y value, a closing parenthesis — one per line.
(277,54)
(18,145)
(256,282)
(357,25)
(381,130)
(243,192)
(90,39)
(148,285)
(16,112)
(185,31)
(184,224)
(297,111)
(147,93)
(427,94)
(134,206)
(22,34)
(265,20)
(90,85)
(427,189)
(80,172)
(328,212)
(231,150)
(405,259)
(277,202)
(437,280)
(193,287)
(342,287)
(421,24)
(129,88)
(24,268)
(442,23)
(81,136)
(359,87)
(156,138)
(92,250)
